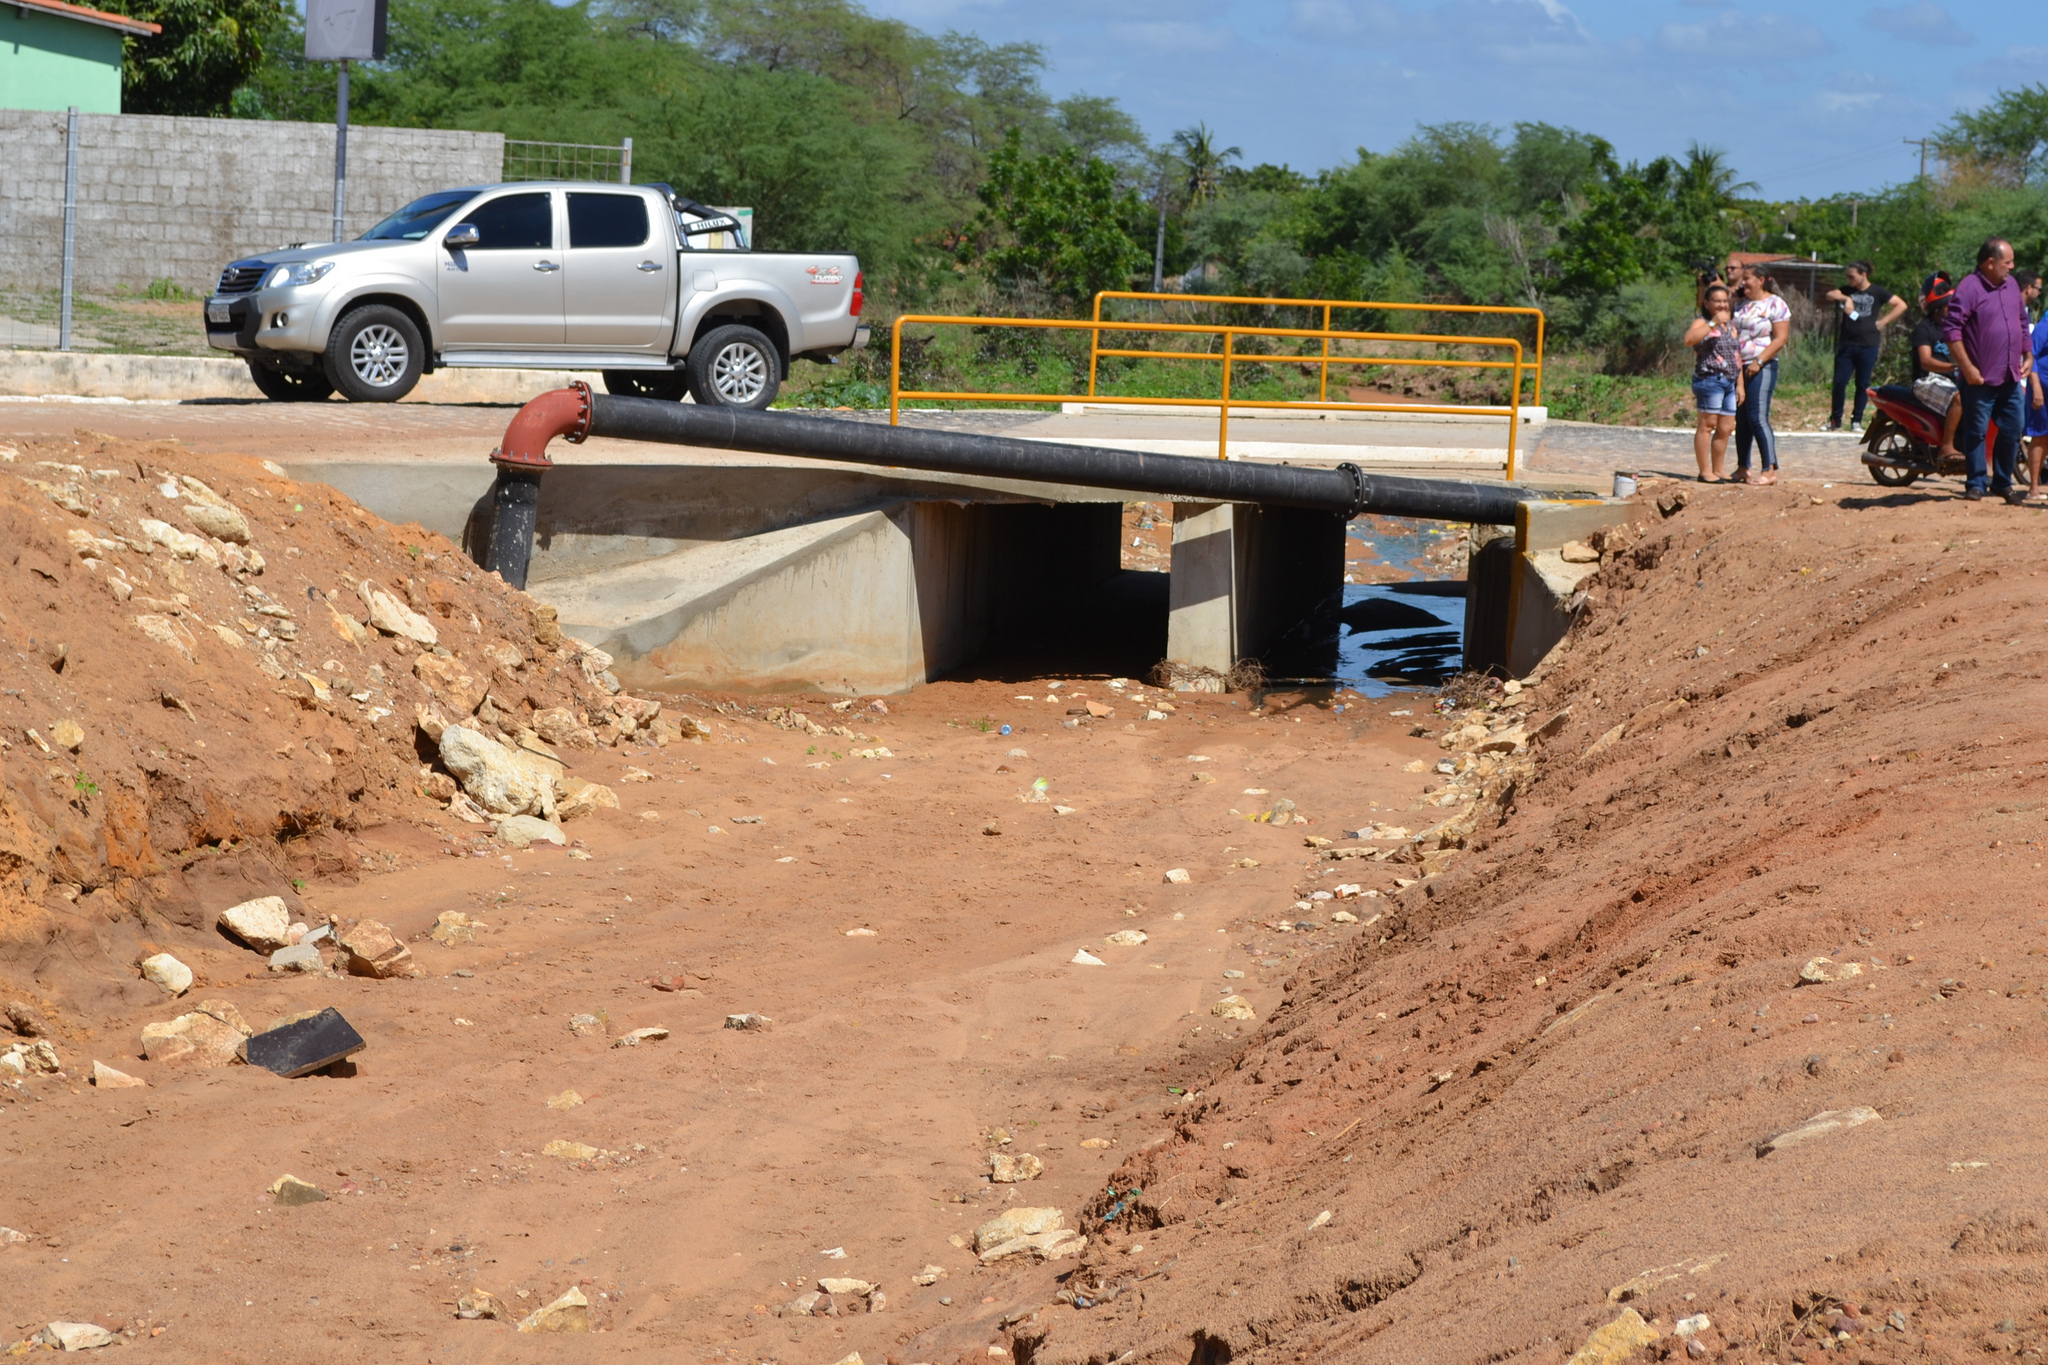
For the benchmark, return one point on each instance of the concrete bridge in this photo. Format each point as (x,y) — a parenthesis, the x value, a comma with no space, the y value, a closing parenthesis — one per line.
(735,571)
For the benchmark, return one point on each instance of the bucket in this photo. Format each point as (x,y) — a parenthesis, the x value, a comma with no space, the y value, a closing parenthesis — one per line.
(1624,484)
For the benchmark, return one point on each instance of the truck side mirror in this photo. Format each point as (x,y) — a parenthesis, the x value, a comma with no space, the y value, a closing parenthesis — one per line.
(462,235)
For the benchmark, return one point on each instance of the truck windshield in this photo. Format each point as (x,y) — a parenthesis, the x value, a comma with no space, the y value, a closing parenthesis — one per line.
(418,218)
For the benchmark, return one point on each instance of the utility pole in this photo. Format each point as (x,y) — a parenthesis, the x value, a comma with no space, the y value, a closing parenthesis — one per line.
(1921,143)
(341,154)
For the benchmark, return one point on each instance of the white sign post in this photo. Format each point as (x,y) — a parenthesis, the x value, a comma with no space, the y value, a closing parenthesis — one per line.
(343,31)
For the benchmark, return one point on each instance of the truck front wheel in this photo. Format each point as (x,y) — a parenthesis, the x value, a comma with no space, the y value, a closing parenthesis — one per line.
(734,367)
(289,386)
(375,355)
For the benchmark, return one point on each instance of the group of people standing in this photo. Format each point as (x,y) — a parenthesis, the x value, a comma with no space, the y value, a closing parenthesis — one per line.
(1976,363)
(1736,340)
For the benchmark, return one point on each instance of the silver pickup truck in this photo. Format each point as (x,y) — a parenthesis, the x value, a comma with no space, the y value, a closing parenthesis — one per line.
(657,291)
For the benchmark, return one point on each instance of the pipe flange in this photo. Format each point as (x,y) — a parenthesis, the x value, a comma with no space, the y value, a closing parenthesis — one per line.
(1359,489)
(559,412)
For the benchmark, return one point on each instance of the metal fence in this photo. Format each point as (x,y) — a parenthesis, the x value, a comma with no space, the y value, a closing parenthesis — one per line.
(569,161)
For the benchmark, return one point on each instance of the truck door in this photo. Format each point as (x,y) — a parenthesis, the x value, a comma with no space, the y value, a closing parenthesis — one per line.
(505,292)
(619,289)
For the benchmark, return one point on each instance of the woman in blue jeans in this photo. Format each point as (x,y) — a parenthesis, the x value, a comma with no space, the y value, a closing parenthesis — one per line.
(1763,324)
(1716,380)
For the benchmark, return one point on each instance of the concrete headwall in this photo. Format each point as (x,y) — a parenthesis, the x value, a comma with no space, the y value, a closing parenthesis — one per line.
(180,197)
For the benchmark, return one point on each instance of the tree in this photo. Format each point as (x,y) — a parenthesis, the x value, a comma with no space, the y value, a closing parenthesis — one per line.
(1202,161)
(207,49)
(2007,138)
(1055,220)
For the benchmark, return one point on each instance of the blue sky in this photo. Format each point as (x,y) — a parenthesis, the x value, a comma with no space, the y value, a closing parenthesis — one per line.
(1812,100)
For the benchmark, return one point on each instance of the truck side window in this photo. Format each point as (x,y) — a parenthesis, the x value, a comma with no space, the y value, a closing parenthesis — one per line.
(607,220)
(514,222)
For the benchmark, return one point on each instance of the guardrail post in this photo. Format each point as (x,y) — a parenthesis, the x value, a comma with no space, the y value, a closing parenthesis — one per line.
(1515,413)
(895,367)
(1323,388)
(626,161)
(1094,344)
(1223,413)
(70,270)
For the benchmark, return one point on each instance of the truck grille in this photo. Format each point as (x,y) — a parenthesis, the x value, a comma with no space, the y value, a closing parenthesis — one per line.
(240,279)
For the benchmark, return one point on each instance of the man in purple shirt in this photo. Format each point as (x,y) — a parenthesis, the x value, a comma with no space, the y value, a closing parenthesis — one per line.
(1987,336)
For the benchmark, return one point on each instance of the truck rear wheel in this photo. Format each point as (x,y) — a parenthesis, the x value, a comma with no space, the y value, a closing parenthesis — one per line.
(375,355)
(289,386)
(666,384)
(734,367)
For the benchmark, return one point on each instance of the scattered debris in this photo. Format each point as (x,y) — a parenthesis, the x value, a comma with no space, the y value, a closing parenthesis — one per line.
(264,923)
(639,1036)
(106,1078)
(304,1044)
(374,951)
(1824,1124)
(289,1191)
(165,971)
(1005,1169)
(747,1021)
(570,1313)
(30,1059)
(212,1035)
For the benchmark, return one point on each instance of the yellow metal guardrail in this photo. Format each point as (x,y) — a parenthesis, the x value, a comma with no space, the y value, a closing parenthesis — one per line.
(1229,358)
(1329,306)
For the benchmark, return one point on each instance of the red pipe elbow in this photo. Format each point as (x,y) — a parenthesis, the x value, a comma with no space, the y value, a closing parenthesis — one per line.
(559,412)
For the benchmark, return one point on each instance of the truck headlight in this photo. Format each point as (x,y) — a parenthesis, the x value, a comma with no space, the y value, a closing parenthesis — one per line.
(297,272)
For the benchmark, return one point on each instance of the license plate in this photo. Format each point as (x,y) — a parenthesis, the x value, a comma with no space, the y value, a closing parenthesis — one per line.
(217,311)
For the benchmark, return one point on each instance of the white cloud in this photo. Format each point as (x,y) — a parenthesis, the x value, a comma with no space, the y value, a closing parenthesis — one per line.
(1919,21)
(1770,37)
(1510,30)
(2013,67)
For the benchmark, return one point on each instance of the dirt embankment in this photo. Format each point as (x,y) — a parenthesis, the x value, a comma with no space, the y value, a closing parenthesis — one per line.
(1541,1096)
(211,677)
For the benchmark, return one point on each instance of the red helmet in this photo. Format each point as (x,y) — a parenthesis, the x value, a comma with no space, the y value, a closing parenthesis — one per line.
(1936,288)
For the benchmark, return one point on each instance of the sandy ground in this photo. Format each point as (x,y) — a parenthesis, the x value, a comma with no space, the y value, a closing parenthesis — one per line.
(1510,1109)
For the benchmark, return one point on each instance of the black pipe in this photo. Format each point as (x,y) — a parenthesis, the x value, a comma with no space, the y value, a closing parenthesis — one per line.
(515,500)
(1345,489)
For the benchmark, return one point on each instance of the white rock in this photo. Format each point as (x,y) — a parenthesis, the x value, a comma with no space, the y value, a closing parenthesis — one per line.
(1178,876)
(168,973)
(9,1237)
(1126,938)
(835,1286)
(1822,970)
(29,1059)
(77,1336)
(490,773)
(1343,917)
(639,1036)
(1045,1246)
(1824,1124)
(181,544)
(106,1078)
(264,923)
(222,523)
(1085,958)
(1233,1007)
(1692,1326)
(394,617)
(1014,1223)
(299,957)
(522,830)
(1005,1169)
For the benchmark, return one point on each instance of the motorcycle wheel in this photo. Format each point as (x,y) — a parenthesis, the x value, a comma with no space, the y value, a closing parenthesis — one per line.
(1894,442)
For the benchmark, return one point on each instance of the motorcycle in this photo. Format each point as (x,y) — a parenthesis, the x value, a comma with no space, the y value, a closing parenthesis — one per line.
(1903,441)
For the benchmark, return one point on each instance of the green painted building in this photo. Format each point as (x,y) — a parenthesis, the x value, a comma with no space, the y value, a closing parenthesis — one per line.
(55,55)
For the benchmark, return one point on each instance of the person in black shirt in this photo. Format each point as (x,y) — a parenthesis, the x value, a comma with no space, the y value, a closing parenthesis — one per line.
(1866,311)
(1934,384)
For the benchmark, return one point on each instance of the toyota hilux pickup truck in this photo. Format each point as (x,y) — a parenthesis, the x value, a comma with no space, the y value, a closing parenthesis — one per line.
(658,292)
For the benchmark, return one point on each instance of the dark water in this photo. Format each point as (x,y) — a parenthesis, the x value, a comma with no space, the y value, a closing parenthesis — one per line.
(1385,637)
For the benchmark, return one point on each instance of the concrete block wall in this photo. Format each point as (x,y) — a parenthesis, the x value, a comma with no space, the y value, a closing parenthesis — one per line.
(180,197)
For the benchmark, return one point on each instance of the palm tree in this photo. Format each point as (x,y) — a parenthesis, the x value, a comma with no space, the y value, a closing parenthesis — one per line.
(1203,161)
(1708,175)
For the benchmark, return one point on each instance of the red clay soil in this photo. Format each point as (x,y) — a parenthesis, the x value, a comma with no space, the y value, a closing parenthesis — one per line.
(1529,1089)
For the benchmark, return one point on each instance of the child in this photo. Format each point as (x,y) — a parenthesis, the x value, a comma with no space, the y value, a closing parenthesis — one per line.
(1717,383)
(1934,385)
